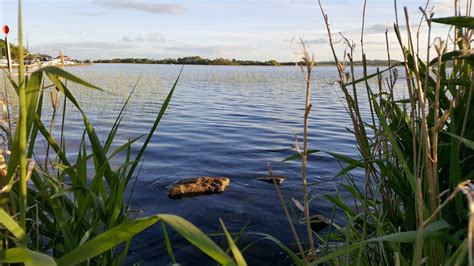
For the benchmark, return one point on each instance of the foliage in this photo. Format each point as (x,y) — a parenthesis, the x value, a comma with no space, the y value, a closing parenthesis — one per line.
(416,155)
(190,60)
(64,212)
(13,50)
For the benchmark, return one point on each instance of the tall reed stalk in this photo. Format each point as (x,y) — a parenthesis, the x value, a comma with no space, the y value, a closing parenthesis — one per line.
(306,69)
(419,152)
(23,119)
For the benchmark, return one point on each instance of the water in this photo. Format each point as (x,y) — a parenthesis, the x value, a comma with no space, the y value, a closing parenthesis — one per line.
(227,121)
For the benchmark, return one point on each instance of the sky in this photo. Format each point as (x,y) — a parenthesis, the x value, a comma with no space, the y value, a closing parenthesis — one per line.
(243,29)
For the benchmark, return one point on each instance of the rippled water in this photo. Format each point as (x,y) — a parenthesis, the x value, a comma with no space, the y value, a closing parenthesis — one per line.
(223,121)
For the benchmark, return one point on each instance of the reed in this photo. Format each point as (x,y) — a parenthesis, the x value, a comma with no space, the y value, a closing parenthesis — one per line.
(420,152)
(416,151)
(60,212)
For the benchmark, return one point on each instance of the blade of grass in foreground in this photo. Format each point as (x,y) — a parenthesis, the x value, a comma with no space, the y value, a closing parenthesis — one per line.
(23,255)
(12,226)
(235,250)
(431,230)
(127,230)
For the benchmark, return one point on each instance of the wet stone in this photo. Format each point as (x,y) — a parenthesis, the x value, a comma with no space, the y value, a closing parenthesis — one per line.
(319,222)
(279,179)
(198,186)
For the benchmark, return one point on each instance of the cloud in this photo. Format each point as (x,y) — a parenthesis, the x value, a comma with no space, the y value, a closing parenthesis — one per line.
(154,37)
(142,6)
(377,28)
(316,41)
(212,50)
(67,47)
(307,40)
(370,29)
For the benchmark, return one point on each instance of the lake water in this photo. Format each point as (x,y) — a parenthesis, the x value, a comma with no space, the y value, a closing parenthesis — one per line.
(227,121)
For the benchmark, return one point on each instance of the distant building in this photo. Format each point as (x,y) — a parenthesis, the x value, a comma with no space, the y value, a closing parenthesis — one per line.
(44,58)
(67,60)
(30,59)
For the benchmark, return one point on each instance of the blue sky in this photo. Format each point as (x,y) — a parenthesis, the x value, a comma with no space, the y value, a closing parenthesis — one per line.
(258,29)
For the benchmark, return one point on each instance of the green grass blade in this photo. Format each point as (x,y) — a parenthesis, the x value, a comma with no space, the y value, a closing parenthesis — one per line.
(372,75)
(467,142)
(339,252)
(239,259)
(12,226)
(124,147)
(297,156)
(23,255)
(169,247)
(346,159)
(127,230)
(460,255)
(34,130)
(107,240)
(398,151)
(33,89)
(42,129)
(294,257)
(97,149)
(66,75)
(458,21)
(402,237)
(200,240)
(446,57)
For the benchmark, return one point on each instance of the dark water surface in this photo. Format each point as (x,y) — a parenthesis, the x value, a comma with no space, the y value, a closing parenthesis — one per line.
(223,121)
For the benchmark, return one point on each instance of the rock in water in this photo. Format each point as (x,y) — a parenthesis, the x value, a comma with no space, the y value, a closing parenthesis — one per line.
(319,222)
(279,179)
(192,187)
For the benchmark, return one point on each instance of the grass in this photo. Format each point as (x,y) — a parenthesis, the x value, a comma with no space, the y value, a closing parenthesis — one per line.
(416,154)
(64,212)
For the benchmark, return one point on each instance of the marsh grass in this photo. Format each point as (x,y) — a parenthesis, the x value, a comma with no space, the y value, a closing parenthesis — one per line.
(416,152)
(74,209)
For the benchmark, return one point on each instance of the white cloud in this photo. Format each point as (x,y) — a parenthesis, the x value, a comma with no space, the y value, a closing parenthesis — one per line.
(154,37)
(142,6)
(78,47)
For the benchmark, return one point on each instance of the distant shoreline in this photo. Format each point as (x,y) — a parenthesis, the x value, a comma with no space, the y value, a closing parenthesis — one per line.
(197,60)
(356,63)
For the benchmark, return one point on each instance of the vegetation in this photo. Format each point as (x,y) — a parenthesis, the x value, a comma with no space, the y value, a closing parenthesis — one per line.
(197,60)
(60,212)
(13,49)
(416,153)
(189,60)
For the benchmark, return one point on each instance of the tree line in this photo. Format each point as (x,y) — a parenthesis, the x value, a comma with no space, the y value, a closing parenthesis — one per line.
(191,60)
(197,60)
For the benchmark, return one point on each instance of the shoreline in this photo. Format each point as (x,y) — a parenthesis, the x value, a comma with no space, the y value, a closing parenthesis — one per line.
(282,65)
